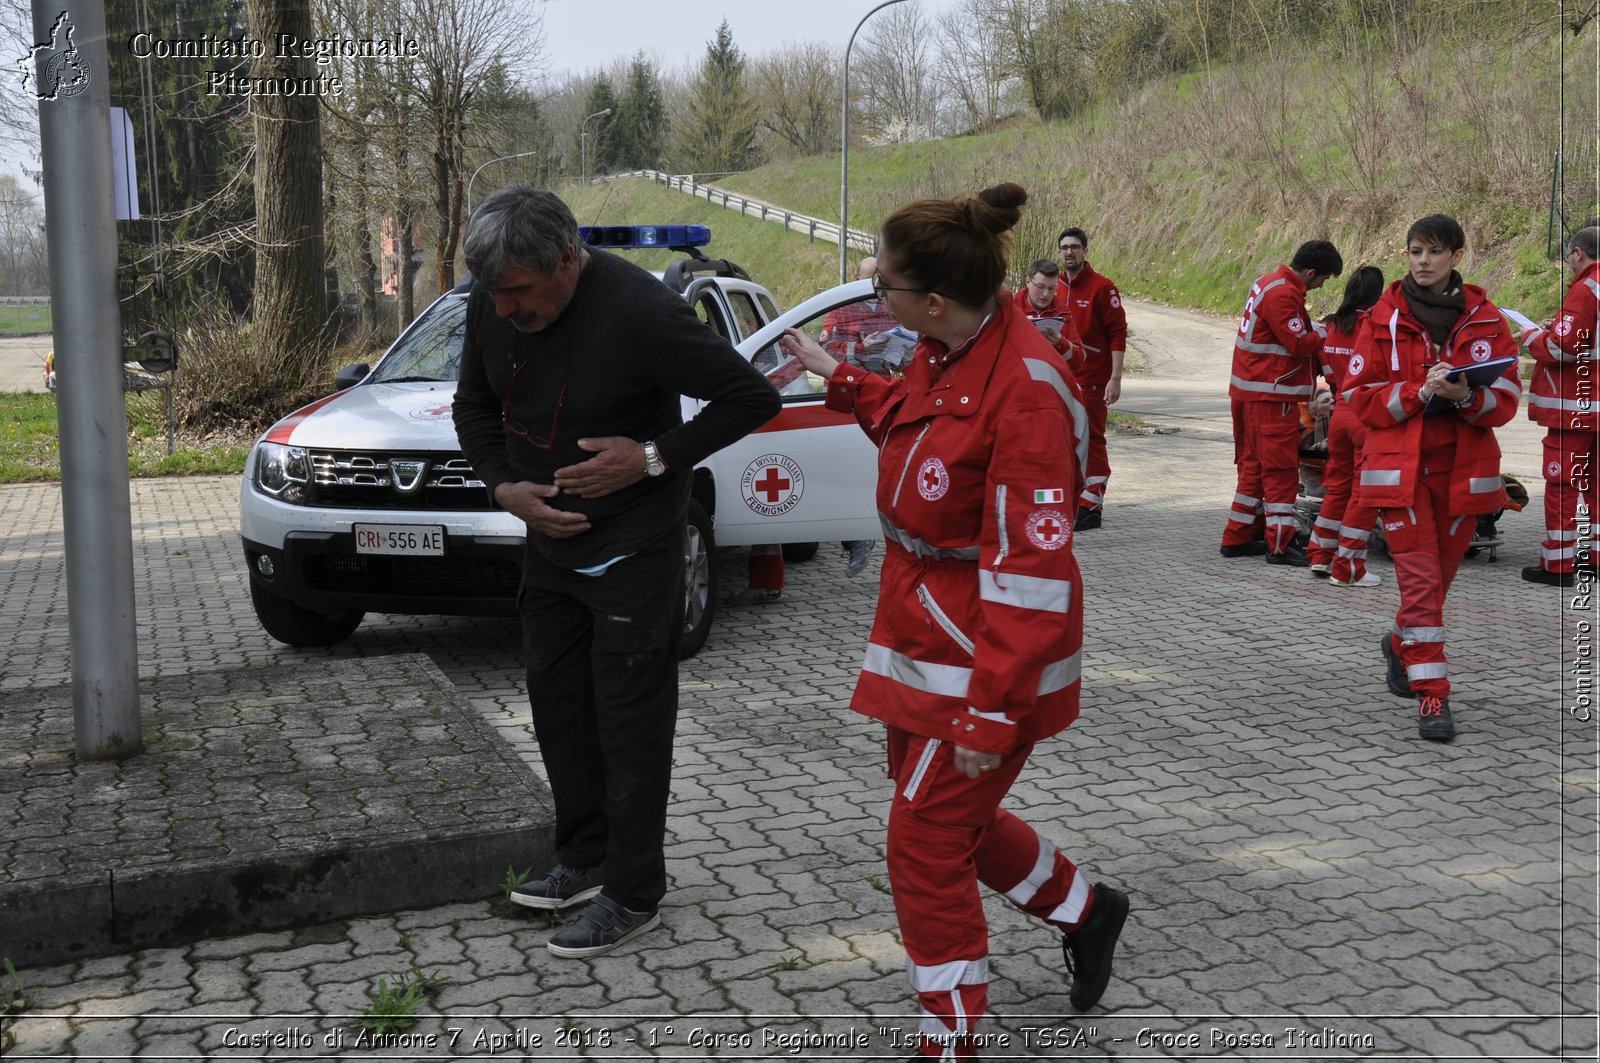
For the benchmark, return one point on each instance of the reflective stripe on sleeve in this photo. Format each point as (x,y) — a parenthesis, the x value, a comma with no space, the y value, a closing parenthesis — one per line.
(1396,408)
(1025,592)
(1045,373)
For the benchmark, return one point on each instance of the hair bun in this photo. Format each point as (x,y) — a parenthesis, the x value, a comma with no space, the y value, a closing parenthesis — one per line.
(998,208)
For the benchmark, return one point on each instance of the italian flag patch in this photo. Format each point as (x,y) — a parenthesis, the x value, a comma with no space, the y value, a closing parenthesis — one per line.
(1045,496)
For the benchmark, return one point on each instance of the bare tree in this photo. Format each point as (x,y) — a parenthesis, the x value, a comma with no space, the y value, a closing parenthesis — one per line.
(19,113)
(975,64)
(24,263)
(290,292)
(895,72)
(462,43)
(797,90)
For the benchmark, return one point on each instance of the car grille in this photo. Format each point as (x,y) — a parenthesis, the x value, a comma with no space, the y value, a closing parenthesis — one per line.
(358,479)
(413,577)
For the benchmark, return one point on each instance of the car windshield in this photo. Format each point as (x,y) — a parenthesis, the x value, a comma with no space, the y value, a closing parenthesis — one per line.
(429,351)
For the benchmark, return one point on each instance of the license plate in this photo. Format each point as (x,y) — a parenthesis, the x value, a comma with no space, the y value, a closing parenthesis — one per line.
(405,540)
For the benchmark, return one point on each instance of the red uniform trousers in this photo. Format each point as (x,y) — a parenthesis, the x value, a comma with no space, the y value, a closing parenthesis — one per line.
(1339,537)
(1569,478)
(1427,544)
(766,567)
(1266,449)
(1097,469)
(947,833)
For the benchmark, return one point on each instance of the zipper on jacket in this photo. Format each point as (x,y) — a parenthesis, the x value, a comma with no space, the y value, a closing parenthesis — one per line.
(942,618)
(894,502)
(1000,519)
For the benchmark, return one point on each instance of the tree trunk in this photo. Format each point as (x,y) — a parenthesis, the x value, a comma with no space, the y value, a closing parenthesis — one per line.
(289,302)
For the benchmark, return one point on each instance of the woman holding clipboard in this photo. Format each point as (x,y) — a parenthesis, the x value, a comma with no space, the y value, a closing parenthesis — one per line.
(1434,373)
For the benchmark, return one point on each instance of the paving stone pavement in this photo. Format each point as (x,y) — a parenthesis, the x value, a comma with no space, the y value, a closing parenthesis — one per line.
(1308,878)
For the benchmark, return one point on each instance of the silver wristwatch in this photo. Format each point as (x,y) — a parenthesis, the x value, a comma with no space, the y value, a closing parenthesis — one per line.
(653,465)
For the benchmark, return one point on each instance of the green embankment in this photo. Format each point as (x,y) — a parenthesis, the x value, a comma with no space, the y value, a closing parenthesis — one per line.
(1194,186)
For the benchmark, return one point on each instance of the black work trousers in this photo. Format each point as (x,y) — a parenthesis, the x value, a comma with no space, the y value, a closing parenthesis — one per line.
(602,657)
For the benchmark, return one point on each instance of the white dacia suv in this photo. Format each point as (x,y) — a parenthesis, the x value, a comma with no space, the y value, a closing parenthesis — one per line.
(362,502)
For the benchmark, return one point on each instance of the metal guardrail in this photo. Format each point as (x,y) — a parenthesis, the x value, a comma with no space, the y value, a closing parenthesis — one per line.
(24,300)
(814,228)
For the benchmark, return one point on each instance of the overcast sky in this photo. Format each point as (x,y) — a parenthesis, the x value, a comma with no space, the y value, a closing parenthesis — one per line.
(586,35)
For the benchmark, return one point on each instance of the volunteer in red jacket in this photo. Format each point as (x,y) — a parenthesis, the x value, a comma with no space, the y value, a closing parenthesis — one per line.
(1430,473)
(1338,547)
(976,647)
(1044,298)
(1097,312)
(1562,398)
(1275,359)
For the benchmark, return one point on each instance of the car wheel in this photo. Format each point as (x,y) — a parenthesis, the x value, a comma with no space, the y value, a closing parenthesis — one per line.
(795,553)
(297,626)
(699,582)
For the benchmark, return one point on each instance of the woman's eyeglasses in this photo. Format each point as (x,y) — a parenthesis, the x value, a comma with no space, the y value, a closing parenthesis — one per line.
(516,427)
(878,287)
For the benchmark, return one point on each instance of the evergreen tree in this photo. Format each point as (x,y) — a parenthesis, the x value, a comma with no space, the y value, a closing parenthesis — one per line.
(601,144)
(717,133)
(640,119)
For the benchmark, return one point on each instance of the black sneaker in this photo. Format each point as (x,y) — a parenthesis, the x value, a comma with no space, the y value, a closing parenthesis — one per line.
(1539,574)
(562,887)
(1289,555)
(1434,720)
(601,927)
(1088,949)
(1395,671)
(1087,519)
(1253,548)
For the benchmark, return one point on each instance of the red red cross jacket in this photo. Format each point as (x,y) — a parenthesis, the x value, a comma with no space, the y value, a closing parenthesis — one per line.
(1563,393)
(1337,350)
(1276,351)
(1393,352)
(979,629)
(1069,344)
(1098,314)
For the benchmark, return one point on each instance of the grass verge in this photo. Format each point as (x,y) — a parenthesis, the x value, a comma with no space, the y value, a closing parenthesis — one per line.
(24,320)
(30,446)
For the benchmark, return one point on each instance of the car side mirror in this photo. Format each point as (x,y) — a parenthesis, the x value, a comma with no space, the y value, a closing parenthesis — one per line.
(351,375)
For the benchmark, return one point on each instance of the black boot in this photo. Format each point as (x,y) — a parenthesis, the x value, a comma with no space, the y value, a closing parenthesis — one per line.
(1088,949)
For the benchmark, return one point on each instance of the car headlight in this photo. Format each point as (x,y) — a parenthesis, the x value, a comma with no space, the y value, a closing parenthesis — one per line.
(282,471)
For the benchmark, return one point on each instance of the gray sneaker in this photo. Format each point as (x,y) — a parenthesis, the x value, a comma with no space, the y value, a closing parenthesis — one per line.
(562,887)
(601,927)
(860,551)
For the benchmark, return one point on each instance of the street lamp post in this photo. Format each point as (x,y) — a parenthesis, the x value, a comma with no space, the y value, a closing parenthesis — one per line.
(844,141)
(583,143)
(475,173)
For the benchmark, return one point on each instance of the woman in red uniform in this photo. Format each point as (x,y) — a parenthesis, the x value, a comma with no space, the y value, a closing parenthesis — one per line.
(1338,548)
(975,649)
(1431,462)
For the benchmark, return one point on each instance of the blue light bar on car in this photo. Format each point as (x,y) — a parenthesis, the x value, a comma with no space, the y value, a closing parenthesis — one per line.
(626,236)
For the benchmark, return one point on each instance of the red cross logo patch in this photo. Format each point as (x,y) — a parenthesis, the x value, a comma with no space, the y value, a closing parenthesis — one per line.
(772,484)
(1563,326)
(1048,529)
(933,480)
(1357,363)
(1552,471)
(1481,350)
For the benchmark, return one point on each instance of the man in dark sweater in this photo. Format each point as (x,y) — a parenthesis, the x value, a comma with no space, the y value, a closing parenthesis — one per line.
(568,408)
